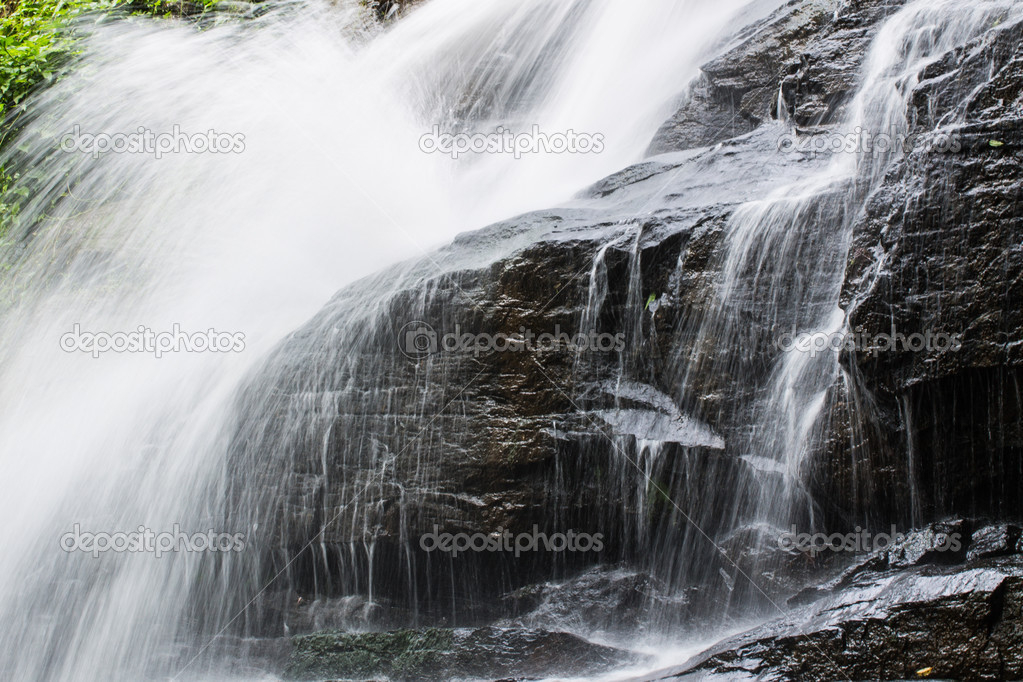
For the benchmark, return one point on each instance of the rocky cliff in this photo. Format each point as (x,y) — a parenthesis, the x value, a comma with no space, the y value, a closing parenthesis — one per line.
(382,431)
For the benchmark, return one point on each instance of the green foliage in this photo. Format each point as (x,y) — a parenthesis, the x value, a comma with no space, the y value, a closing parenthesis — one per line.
(10,199)
(35,41)
(173,8)
(38,38)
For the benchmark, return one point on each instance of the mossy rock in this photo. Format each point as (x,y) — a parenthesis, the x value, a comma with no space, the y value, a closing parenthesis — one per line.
(402,653)
(439,653)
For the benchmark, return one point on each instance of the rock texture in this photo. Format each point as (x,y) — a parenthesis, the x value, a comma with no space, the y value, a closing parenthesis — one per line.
(892,617)
(800,63)
(436,654)
(355,441)
(938,251)
(380,448)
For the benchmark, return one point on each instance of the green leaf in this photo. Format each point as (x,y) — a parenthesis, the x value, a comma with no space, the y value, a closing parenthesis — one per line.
(650,301)
(996,144)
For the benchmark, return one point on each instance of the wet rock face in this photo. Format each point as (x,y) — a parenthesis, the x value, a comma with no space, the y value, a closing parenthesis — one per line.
(808,53)
(936,254)
(439,654)
(600,602)
(888,619)
(378,449)
(927,263)
(390,9)
(355,445)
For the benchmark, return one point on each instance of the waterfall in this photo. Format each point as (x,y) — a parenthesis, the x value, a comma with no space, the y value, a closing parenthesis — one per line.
(332,186)
(782,271)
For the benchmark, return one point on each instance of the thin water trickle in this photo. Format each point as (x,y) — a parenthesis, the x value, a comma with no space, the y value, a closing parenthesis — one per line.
(784,266)
(332,186)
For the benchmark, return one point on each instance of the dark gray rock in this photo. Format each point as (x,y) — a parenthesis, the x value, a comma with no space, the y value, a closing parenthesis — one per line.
(706,116)
(997,540)
(372,449)
(884,621)
(439,654)
(940,543)
(348,451)
(935,253)
(599,602)
(808,52)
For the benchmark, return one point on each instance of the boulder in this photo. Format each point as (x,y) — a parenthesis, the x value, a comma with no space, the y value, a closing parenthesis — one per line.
(441,654)
(886,620)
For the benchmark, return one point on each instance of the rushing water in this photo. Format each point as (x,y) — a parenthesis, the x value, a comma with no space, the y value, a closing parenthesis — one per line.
(782,273)
(332,186)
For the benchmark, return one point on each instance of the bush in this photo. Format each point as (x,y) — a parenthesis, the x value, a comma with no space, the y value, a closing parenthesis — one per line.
(38,40)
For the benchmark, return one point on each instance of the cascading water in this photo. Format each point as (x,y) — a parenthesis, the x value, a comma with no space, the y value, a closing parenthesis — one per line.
(782,274)
(331,186)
